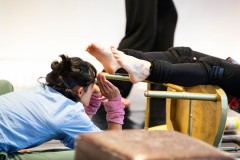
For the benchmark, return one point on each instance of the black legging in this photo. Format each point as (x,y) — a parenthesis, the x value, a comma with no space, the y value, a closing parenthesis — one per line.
(150,25)
(185,67)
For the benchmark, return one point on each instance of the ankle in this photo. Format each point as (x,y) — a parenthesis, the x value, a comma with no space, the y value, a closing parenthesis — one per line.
(146,68)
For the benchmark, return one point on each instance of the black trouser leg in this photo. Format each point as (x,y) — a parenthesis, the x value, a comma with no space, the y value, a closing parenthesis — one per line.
(206,71)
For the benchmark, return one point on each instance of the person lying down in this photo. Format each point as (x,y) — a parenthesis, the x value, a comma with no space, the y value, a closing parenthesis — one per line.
(178,65)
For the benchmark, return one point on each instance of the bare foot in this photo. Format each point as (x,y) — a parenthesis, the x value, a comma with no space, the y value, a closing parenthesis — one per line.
(105,57)
(137,69)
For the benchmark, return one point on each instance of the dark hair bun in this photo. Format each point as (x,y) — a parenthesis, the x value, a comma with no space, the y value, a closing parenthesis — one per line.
(55,65)
(69,73)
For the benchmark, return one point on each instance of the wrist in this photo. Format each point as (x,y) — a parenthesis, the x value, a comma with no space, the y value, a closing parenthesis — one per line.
(115,110)
(118,98)
(94,104)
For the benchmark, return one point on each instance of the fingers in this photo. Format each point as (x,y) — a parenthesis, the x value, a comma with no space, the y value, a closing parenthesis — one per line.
(100,80)
(107,88)
(104,85)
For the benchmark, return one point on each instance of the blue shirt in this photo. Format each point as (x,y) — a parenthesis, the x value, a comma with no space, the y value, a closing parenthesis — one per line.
(31,117)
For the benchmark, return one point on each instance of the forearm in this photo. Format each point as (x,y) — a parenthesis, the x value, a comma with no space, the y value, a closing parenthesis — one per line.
(113,105)
(114,126)
(94,104)
(115,113)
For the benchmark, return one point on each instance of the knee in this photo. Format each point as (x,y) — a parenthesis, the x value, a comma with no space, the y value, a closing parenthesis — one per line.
(183,54)
(214,67)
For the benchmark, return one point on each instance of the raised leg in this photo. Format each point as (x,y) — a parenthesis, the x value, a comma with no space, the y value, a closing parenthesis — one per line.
(104,56)
(137,69)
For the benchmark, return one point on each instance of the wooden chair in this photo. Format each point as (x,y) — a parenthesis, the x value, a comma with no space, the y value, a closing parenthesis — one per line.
(198,111)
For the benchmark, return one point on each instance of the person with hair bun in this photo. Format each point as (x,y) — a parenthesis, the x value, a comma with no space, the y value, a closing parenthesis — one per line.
(60,108)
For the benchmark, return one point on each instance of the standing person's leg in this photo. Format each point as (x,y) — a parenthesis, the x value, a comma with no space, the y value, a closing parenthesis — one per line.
(167,20)
(141,25)
(166,25)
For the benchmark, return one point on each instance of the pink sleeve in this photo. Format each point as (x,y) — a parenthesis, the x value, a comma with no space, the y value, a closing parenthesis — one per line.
(94,104)
(115,110)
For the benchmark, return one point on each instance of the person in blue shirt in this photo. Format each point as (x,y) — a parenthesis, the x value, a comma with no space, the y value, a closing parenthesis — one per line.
(60,109)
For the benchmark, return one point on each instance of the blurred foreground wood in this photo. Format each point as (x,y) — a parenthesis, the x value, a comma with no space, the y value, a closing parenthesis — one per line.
(142,144)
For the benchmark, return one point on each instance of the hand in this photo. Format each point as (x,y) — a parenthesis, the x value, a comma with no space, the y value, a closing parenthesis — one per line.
(95,101)
(113,106)
(96,90)
(107,89)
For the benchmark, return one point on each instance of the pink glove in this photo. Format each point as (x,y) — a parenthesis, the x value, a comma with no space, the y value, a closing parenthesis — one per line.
(115,110)
(94,104)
